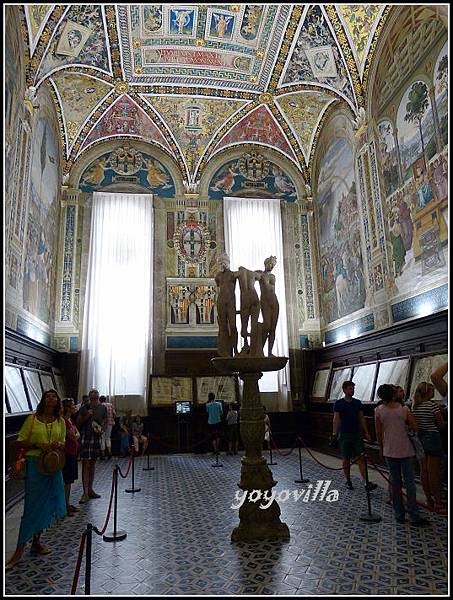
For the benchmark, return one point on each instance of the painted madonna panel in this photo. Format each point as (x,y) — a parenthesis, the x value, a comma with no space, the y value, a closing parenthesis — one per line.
(42,225)
(343,285)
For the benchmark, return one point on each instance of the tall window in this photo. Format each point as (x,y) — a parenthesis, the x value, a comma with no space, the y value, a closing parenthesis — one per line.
(253,232)
(118,299)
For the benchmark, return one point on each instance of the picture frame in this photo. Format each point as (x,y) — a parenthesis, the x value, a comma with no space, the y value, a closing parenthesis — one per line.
(422,368)
(320,383)
(165,391)
(394,372)
(17,400)
(339,375)
(47,382)
(364,377)
(224,389)
(33,383)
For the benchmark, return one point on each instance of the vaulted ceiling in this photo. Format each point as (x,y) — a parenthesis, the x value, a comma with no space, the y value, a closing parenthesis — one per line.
(196,78)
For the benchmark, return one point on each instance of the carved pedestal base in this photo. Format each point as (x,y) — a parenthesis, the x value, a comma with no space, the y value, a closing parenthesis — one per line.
(255,523)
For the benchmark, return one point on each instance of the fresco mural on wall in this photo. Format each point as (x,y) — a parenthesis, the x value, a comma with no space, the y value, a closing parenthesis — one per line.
(258,126)
(441,91)
(40,253)
(316,56)
(125,117)
(416,212)
(126,164)
(81,39)
(415,126)
(360,21)
(252,171)
(342,279)
(389,158)
(14,93)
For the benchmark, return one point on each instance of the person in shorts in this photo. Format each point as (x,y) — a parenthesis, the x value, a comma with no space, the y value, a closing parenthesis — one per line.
(233,429)
(91,420)
(215,411)
(348,421)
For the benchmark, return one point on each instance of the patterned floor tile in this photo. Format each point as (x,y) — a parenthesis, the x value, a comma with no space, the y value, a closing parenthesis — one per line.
(178,540)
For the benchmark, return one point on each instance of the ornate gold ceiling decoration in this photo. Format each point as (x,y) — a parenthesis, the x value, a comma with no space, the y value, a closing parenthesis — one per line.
(233,57)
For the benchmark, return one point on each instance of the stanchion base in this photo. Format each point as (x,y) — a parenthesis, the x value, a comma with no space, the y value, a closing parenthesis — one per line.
(148,469)
(272,463)
(373,518)
(113,536)
(132,490)
(216,465)
(301,480)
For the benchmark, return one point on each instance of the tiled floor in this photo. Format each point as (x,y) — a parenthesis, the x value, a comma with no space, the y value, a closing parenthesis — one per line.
(179,529)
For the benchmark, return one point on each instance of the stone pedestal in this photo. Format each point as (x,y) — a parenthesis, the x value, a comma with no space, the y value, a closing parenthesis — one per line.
(255,523)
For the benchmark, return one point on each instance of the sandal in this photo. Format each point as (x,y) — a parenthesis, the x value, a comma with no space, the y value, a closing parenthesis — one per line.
(40,549)
(72,509)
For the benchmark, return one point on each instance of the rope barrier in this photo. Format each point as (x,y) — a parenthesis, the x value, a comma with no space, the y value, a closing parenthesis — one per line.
(75,579)
(422,504)
(276,447)
(354,461)
(95,529)
(128,468)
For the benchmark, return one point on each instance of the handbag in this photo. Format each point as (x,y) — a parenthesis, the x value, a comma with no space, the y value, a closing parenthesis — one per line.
(51,461)
(19,470)
(417,445)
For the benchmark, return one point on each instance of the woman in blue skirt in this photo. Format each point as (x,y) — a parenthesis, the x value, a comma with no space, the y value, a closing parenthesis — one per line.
(44,494)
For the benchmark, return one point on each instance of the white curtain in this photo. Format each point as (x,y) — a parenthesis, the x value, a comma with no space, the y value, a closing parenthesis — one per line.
(118,300)
(253,232)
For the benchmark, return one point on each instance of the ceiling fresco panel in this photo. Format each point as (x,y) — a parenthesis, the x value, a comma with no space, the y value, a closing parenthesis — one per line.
(79,96)
(229,46)
(36,16)
(193,121)
(258,126)
(316,56)
(80,39)
(360,22)
(125,117)
(303,111)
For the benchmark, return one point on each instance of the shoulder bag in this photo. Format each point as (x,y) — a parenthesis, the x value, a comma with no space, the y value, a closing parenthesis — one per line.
(19,469)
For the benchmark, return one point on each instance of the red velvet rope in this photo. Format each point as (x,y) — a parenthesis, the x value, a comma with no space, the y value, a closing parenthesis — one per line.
(75,579)
(95,529)
(128,468)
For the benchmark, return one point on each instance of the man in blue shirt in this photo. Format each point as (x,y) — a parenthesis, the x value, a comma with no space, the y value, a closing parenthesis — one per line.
(348,421)
(215,411)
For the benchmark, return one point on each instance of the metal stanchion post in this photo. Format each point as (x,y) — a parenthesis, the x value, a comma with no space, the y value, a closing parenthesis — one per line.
(89,542)
(217,464)
(114,536)
(148,468)
(271,461)
(302,479)
(133,489)
(369,516)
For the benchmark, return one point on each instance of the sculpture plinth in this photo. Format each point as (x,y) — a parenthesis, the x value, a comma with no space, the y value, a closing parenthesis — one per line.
(255,523)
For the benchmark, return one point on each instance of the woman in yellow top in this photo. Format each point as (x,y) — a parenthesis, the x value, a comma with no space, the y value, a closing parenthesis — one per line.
(44,494)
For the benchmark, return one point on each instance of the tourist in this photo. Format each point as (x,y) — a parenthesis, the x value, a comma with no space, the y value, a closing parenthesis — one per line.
(137,435)
(70,471)
(106,441)
(90,421)
(215,411)
(430,421)
(125,429)
(44,494)
(438,380)
(392,420)
(348,421)
(232,429)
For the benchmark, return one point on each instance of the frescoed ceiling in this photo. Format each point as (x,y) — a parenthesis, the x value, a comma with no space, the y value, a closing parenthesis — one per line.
(197,78)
